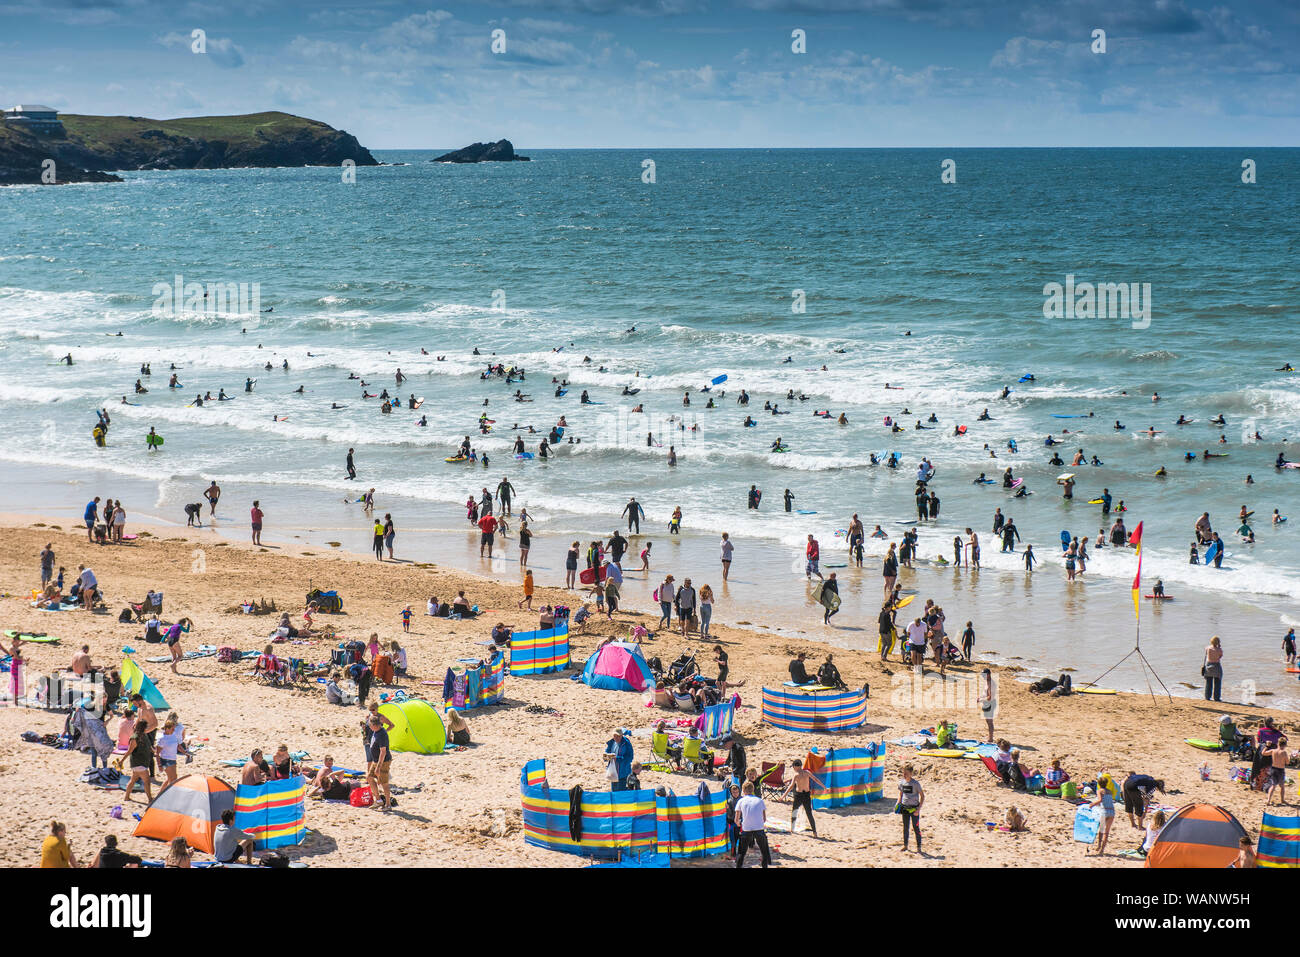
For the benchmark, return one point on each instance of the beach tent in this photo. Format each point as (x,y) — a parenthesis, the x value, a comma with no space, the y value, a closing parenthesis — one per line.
(190,808)
(618,666)
(274,813)
(1279,841)
(1197,835)
(134,681)
(416,727)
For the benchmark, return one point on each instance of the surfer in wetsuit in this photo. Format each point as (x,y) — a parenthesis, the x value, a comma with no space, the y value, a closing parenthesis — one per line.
(789,497)
(984,416)
(777,446)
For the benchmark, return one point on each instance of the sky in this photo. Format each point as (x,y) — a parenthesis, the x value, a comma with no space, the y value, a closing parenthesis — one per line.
(682,73)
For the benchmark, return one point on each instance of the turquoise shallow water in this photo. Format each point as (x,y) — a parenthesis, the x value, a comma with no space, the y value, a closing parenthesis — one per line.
(573,249)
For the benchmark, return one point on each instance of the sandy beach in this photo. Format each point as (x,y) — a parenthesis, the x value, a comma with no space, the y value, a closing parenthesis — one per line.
(451,806)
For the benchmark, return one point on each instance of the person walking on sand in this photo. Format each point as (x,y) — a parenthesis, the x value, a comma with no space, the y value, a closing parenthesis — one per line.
(487,526)
(528,590)
(256,516)
(1212,669)
(812,556)
(751,819)
(802,784)
(378,759)
(911,798)
(727,550)
(1106,801)
(889,569)
(666,592)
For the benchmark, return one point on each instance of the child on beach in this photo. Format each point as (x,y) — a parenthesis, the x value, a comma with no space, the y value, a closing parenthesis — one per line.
(1029,558)
(580,618)
(398,654)
(645,557)
(406,620)
(598,592)
(528,590)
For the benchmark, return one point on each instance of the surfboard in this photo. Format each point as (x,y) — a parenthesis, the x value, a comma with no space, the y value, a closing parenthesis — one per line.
(1062,479)
(523,455)
(1160,598)
(961,430)
(1211,552)
(941,752)
(1096,691)
(454,458)
(1026,378)
(154,440)
(1017,483)
(562,392)
(805,511)
(418,402)
(905,601)
(718,379)
(1095,501)
(1202,744)
(588,575)
(1065,540)
(1062,415)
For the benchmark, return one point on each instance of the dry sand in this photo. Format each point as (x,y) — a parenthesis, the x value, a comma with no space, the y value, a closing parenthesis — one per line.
(454,819)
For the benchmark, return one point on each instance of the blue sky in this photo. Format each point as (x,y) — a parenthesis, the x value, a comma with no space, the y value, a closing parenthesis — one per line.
(682,73)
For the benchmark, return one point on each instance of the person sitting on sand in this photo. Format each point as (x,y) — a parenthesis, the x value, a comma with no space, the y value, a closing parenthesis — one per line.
(674,752)
(256,769)
(799,671)
(460,608)
(322,778)
(457,728)
(1152,832)
(51,597)
(333,693)
(283,764)
(1016,819)
(80,665)
(1055,777)
(663,697)
(398,655)
(501,633)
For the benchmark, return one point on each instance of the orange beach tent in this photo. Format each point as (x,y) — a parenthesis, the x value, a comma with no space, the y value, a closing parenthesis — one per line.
(1197,835)
(191,808)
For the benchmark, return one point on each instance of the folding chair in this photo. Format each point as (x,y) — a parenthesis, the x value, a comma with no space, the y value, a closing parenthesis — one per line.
(695,757)
(771,779)
(661,753)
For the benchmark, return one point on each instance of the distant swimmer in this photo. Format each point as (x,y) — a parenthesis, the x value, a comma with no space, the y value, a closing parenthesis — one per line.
(843,419)
(1285,368)
(932,418)
(67,359)
(335,405)
(174,383)
(586,399)
(423,421)
(198,401)
(1119,427)
(1056,459)
(631,328)
(399,377)
(221,396)
(1006,391)
(788,360)
(1218,420)
(1182,420)
(1160,472)
(778,446)
(300,390)
(268,367)
(1155,396)
(139,389)
(985,417)
(982,480)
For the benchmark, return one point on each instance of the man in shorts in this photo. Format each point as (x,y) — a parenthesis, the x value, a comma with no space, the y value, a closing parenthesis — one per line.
(212,493)
(801,785)
(1279,755)
(488,526)
(228,841)
(91,513)
(916,641)
(378,758)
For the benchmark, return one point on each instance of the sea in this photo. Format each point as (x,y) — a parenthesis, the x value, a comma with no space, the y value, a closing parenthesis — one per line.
(883,285)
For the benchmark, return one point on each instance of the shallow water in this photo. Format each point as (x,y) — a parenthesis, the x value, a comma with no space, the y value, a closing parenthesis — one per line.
(704,263)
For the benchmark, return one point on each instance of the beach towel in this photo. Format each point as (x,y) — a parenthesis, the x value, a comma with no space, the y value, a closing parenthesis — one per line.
(204,651)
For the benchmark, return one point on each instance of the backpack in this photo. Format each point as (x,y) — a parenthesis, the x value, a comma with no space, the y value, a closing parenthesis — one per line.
(340,656)
(361,797)
(328,602)
(227,654)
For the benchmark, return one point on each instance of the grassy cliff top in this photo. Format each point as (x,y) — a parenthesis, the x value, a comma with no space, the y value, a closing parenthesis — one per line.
(111,132)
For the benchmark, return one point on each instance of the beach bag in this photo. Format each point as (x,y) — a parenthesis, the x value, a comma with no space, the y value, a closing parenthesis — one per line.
(1070,790)
(227,654)
(340,656)
(326,601)
(361,797)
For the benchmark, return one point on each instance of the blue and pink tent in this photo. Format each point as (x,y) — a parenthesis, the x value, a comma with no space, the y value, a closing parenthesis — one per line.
(618,666)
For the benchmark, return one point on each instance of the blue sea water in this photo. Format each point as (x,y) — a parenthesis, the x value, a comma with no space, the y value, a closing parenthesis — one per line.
(937,288)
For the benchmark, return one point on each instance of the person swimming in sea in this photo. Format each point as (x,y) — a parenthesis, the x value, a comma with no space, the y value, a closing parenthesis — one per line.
(139,389)
(777,446)
(984,416)
(1119,426)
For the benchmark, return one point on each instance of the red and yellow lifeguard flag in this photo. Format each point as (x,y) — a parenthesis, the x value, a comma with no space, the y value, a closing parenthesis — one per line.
(1136,541)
